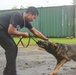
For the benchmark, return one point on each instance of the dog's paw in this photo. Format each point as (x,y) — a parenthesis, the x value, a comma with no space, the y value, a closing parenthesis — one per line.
(53,73)
(73,67)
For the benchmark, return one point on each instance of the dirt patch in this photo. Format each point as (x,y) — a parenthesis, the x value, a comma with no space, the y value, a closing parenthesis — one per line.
(31,61)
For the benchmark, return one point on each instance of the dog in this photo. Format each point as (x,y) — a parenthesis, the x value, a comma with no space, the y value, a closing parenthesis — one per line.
(62,52)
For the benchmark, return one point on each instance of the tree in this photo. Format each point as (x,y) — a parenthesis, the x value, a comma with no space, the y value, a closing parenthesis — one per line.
(14,7)
(21,7)
(74,1)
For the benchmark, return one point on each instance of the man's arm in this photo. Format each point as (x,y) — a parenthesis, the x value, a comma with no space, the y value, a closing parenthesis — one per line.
(12,31)
(38,33)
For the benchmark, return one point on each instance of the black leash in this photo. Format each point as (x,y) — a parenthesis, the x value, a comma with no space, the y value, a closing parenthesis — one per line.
(20,41)
(30,36)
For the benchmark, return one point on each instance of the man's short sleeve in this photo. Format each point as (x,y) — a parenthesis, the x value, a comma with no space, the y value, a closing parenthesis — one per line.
(15,19)
(28,25)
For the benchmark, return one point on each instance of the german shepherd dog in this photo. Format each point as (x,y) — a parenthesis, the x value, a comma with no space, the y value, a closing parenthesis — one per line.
(62,52)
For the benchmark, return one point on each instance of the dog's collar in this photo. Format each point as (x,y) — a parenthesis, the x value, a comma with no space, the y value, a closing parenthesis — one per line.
(66,48)
(57,49)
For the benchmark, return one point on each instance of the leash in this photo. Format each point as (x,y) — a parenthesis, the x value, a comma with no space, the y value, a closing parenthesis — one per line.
(20,41)
(30,36)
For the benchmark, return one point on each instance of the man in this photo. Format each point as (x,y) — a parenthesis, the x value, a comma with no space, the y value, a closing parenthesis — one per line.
(8,24)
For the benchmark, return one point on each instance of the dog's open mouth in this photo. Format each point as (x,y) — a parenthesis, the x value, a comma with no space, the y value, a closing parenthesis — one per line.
(43,44)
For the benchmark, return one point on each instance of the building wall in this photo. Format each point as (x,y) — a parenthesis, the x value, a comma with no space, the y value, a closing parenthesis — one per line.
(54,21)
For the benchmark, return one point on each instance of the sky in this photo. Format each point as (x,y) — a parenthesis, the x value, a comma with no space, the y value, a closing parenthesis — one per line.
(8,4)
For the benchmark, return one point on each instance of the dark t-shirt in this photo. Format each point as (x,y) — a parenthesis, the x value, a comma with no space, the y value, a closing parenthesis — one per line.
(15,18)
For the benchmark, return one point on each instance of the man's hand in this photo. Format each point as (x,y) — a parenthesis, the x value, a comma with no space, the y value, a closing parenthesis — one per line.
(26,35)
(48,40)
(20,37)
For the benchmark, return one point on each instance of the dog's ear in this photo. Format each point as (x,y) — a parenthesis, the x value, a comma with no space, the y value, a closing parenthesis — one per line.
(54,44)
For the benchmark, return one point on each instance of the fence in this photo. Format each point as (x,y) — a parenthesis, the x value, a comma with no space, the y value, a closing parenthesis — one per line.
(57,21)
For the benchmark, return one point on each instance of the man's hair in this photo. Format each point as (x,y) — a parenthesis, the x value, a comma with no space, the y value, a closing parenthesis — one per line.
(32,10)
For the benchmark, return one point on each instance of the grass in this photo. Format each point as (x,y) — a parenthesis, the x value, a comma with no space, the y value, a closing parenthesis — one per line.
(59,40)
(64,40)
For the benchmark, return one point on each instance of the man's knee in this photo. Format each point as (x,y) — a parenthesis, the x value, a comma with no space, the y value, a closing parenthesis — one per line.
(12,51)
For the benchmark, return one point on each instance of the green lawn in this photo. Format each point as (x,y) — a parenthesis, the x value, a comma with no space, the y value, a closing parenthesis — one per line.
(59,40)
(64,40)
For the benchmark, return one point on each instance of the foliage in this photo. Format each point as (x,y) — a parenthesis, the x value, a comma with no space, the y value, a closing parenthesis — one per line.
(74,1)
(21,7)
(14,7)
